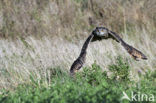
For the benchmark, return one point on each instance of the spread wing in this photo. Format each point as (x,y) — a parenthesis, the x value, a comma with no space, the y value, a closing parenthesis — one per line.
(78,63)
(114,36)
(131,50)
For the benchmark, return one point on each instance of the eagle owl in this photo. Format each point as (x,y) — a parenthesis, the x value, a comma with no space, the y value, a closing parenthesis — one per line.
(103,33)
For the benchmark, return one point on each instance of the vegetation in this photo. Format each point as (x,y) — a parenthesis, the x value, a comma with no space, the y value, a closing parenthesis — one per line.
(92,85)
(40,39)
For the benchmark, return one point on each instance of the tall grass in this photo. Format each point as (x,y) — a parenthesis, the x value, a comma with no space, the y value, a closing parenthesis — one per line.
(92,85)
(37,35)
(70,18)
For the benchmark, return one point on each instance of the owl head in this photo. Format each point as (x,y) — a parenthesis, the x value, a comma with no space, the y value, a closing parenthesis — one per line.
(101,32)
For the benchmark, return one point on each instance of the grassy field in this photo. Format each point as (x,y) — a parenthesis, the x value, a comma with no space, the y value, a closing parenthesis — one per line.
(39,40)
(92,85)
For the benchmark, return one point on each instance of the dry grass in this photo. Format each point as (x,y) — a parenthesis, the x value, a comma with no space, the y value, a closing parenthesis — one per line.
(37,34)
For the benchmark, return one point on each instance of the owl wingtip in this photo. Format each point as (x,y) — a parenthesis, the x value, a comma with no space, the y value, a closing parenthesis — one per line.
(145,58)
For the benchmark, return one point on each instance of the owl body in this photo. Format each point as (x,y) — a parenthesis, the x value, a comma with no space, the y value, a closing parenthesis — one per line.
(100,33)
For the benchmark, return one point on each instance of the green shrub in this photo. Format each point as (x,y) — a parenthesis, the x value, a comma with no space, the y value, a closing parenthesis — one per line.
(92,85)
(120,69)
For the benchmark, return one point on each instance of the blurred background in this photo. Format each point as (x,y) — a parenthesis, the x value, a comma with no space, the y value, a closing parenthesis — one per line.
(39,34)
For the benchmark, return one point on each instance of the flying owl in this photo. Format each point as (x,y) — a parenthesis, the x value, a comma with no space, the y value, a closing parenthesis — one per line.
(103,33)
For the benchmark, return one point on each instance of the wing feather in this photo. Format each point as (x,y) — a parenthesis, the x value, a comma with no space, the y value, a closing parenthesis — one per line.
(131,50)
(114,36)
(78,63)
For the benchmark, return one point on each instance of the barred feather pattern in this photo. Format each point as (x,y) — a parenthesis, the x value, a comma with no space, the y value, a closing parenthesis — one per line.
(78,63)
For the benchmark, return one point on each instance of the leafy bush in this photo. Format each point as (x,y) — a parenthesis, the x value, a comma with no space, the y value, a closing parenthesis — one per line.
(120,69)
(92,85)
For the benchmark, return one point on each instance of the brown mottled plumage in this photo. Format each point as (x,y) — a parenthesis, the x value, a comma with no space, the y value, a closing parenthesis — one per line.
(98,34)
(78,63)
(133,52)
(104,33)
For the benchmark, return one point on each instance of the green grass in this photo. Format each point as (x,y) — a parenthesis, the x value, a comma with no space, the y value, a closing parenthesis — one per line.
(92,85)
